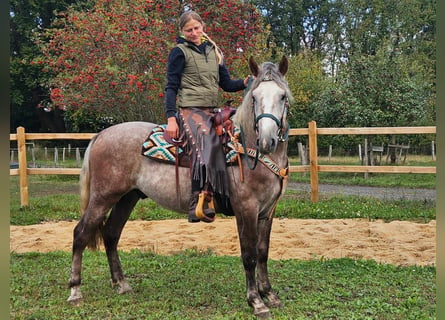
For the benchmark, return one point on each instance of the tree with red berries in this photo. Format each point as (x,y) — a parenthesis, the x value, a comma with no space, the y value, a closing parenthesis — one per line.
(108,64)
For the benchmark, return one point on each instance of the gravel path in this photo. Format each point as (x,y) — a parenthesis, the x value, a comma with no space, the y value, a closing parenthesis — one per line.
(376,192)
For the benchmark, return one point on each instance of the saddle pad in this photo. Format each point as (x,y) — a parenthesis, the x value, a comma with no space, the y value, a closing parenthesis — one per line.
(156,147)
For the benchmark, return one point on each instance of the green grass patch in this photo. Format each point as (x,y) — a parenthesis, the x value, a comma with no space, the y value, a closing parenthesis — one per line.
(297,204)
(408,180)
(200,285)
(55,198)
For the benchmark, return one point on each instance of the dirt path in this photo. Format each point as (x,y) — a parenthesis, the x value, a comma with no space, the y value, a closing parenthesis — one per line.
(398,242)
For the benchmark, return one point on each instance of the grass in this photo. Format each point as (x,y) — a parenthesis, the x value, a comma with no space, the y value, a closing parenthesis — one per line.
(54,198)
(195,285)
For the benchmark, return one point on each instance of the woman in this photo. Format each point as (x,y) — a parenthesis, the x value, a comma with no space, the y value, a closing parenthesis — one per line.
(195,71)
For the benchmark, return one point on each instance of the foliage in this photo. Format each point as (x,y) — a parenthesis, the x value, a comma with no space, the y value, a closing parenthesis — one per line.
(360,28)
(306,80)
(28,91)
(110,61)
(379,54)
(105,61)
(297,25)
(179,287)
(373,92)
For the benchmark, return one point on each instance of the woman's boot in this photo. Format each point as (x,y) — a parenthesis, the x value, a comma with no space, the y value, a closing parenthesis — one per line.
(194,197)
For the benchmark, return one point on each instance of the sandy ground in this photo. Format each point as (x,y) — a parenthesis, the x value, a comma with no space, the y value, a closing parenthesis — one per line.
(398,242)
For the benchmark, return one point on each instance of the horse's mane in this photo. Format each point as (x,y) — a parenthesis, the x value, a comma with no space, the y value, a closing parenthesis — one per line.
(268,72)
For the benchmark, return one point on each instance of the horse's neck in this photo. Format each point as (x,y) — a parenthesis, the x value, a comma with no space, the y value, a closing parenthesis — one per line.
(249,137)
(280,155)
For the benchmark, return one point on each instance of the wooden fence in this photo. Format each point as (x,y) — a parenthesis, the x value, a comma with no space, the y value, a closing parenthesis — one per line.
(313,167)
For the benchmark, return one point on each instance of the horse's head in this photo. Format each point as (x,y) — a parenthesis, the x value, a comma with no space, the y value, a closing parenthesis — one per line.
(269,96)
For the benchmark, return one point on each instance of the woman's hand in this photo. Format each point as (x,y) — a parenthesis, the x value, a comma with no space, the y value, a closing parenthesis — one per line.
(172,128)
(247,79)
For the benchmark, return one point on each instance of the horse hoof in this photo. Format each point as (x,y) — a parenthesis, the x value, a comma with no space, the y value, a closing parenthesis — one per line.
(264,314)
(274,303)
(75,297)
(124,287)
(74,302)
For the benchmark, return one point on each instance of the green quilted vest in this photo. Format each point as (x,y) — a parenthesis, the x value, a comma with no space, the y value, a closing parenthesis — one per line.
(199,83)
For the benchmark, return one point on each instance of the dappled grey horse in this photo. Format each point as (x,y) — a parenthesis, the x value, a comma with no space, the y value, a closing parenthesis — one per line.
(115,176)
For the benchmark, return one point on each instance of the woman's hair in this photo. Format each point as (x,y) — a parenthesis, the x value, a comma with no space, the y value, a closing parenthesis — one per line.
(192,15)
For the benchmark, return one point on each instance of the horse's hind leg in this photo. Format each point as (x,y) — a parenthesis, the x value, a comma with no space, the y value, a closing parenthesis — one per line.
(84,234)
(111,234)
(264,287)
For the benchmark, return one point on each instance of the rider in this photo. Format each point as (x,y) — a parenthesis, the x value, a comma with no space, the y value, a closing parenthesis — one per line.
(195,71)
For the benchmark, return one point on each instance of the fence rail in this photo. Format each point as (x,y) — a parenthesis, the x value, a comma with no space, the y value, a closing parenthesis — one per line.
(313,167)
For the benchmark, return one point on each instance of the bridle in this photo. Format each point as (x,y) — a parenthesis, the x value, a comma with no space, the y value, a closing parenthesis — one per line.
(283,133)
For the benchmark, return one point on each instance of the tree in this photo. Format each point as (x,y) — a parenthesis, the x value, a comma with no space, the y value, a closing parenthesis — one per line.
(374,92)
(109,62)
(306,80)
(27,93)
(362,28)
(285,19)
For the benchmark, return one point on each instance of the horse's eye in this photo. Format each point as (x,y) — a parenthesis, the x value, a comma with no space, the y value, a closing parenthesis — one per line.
(283,98)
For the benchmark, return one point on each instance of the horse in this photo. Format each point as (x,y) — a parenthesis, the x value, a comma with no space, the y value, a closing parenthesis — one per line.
(115,176)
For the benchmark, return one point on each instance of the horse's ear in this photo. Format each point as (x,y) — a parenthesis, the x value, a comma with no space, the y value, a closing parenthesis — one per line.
(283,66)
(253,66)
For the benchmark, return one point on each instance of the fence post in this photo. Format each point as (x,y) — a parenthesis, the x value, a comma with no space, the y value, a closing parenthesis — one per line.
(433,151)
(313,156)
(21,146)
(56,157)
(366,160)
(78,159)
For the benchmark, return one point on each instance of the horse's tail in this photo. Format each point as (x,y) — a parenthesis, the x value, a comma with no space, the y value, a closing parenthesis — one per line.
(84,182)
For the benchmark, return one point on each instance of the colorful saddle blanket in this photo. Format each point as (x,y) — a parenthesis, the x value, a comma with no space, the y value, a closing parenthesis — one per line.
(158,148)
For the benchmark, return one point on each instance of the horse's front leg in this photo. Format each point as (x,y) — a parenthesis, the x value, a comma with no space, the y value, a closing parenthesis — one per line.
(247,231)
(264,287)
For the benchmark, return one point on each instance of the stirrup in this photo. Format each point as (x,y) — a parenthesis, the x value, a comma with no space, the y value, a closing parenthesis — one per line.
(208,214)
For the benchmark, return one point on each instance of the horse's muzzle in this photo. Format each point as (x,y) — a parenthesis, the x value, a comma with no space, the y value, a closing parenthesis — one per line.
(267,145)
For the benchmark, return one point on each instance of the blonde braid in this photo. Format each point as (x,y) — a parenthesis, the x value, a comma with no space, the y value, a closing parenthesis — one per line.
(217,50)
